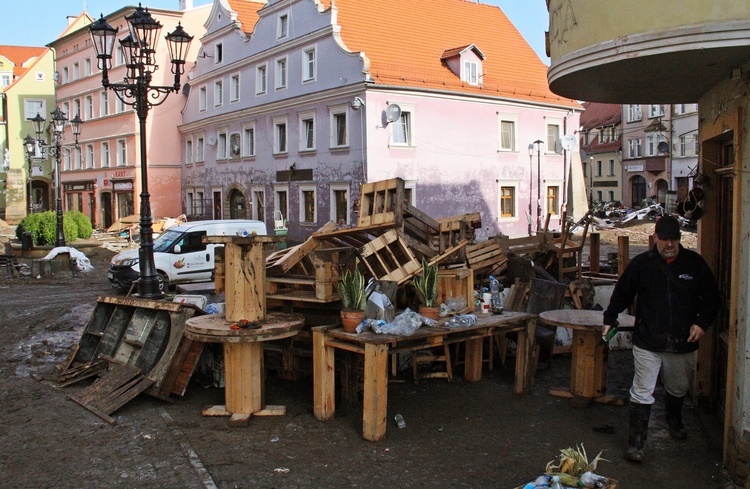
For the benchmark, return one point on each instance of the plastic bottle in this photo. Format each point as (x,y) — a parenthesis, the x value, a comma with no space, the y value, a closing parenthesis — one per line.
(496,301)
(400,421)
(556,483)
(606,338)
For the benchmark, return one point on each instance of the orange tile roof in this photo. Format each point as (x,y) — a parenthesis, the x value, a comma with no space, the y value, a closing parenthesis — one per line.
(20,55)
(405,39)
(247,12)
(597,115)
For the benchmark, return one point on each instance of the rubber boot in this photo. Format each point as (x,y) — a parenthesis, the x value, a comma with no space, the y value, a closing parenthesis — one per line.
(673,410)
(638,432)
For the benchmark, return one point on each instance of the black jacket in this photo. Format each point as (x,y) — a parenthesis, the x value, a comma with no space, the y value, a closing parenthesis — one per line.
(667,306)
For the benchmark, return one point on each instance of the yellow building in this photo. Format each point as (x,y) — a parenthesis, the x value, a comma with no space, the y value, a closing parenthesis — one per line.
(681,52)
(26,88)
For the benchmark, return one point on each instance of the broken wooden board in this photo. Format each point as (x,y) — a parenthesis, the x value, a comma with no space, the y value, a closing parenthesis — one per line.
(109,393)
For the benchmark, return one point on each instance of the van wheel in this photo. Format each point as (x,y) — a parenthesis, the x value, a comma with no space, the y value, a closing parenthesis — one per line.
(163,282)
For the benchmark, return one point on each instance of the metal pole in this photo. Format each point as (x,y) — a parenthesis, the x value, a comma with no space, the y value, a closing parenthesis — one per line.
(538,186)
(31,201)
(60,241)
(148,281)
(531,176)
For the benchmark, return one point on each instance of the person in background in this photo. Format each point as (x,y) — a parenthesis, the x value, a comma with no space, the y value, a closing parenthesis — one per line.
(677,300)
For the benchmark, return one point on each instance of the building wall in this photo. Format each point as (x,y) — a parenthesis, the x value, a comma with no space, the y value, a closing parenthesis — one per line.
(116,185)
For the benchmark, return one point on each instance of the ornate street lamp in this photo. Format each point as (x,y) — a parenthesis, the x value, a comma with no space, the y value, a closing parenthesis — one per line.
(135,90)
(538,143)
(30,145)
(57,127)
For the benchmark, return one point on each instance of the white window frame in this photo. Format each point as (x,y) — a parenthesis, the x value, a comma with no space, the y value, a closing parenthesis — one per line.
(35,105)
(306,187)
(67,160)
(104,103)
(634,113)
(304,117)
(655,110)
(408,120)
(248,139)
(219,92)
(189,150)
(202,98)
(122,152)
(611,168)
(200,148)
(254,207)
(218,53)
(277,140)
(235,145)
(189,202)
(634,148)
(334,187)
(277,202)
(119,105)
(516,185)
(77,107)
(261,79)
(281,76)
(88,104)
(309,64)
(105,160)
(234,88)
(552,122)
(507,118)
(119,55)
(282,25)
(334,112)
(87,67)
(65,75)
(76,71)
(78,158)
(222,143)
(89,156)
(470,71)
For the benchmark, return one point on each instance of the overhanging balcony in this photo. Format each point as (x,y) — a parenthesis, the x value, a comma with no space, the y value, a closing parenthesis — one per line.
(640,51)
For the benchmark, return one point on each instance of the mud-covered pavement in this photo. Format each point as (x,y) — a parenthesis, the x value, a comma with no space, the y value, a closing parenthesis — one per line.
(458,434)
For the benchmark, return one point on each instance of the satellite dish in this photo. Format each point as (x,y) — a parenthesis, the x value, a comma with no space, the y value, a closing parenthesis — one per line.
(392,113)
(662,147)
(569,142)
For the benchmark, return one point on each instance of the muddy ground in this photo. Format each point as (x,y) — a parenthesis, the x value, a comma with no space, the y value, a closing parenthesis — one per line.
(458,434)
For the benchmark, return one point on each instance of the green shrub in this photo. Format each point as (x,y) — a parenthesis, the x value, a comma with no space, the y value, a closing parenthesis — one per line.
(44,227)
(85,229)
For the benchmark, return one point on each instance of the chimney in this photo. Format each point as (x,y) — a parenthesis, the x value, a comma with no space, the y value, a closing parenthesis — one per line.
(186,4)
(71,19)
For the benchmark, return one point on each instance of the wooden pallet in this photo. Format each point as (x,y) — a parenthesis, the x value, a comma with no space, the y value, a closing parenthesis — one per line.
(484,256)
(388,258)
(381,202)
(109,393)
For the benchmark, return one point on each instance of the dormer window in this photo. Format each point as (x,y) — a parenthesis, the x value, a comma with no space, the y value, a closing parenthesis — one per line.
(471,72)
(466,63)
(218,53)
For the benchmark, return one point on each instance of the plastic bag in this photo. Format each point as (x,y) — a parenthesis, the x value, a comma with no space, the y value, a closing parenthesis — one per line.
(462,321)
(405,324)
(379,307)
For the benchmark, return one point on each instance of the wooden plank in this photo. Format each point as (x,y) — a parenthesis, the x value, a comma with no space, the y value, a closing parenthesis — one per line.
(243,370)
(473,360)
(375,400)
(324,378)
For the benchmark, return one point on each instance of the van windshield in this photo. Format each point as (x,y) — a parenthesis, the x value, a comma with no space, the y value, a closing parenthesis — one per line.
(166,240)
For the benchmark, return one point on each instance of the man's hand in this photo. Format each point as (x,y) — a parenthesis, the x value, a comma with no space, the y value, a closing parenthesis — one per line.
(696,333)
(605,328)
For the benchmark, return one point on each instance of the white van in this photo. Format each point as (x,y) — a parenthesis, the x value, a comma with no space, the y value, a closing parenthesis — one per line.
(180,256)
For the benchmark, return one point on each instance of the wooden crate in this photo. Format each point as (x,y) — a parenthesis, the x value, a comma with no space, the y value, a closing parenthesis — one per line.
(388,258)
(456,283)
(381,202)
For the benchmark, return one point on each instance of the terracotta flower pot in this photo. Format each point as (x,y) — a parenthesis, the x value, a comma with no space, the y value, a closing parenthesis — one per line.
(431,312)
(351,319)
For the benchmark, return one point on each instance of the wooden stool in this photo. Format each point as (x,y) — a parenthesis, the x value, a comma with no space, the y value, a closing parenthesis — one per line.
(428,356)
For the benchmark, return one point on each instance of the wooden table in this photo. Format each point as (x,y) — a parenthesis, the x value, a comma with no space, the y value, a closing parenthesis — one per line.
(243,361)
(588,369)
(377,347)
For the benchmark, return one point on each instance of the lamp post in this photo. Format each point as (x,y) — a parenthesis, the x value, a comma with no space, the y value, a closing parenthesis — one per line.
(136,91)
(30,145)
(57,126)
(531,175)
(538,143)
(591,182)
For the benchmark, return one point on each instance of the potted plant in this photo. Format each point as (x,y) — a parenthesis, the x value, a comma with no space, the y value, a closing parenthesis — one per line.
(426,285)
(353,299)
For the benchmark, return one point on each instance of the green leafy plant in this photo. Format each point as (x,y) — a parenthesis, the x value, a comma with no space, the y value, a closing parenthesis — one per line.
(85,229)
(352,290)
(426,284)
(44,227)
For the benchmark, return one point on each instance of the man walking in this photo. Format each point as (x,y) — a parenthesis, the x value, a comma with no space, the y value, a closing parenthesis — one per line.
(677,300)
